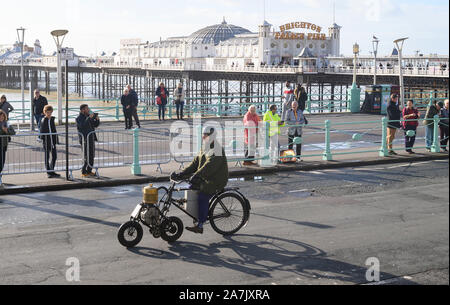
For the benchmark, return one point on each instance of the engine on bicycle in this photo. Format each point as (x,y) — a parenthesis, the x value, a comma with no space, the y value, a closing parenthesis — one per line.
(151,216)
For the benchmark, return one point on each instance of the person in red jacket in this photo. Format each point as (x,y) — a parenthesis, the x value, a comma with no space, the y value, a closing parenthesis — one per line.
(251,121)
(409,115)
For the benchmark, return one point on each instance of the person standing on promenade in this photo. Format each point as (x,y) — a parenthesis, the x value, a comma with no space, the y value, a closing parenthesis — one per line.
(301,97)
(444,125)
(126,104)
(49,137)
(409,115)
(295,121)
(274,132)
(134,102)
(393,116)
(432,111)
(38,103)
(162,96)
(251,124)
(86,124)
(288,93)
(180,96)
(5,106)
(6,131)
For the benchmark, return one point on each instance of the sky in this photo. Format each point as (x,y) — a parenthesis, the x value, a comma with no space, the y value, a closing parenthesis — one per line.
(96,26)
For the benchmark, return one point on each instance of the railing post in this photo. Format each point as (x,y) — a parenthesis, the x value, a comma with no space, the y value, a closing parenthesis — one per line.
(436,147)
(384,149)
(266,103)
(117,111)
(266,159)
(308,104)
(136,167)
(170,107)
(219,110)
(327,154)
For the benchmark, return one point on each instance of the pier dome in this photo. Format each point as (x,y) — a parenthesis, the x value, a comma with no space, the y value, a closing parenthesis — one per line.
(217,33)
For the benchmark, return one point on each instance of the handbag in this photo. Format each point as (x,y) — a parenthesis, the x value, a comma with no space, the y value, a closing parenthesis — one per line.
(158,100)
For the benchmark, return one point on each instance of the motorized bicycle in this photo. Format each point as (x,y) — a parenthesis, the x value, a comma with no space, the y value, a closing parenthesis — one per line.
(229,212)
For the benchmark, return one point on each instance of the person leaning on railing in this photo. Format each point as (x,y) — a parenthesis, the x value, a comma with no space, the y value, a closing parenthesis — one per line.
(6,131)
(394,117)
(295,120)
(251,122)
(443,125)
(301,97)
(5,106)
(38,103)
(49,137)
(410,123)
(432,111)
(179,96)
(86,124)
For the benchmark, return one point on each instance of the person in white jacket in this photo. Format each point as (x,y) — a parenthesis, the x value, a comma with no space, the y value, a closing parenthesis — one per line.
(288,92)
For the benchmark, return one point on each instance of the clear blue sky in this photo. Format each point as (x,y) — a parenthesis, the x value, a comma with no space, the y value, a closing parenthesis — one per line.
(99,25)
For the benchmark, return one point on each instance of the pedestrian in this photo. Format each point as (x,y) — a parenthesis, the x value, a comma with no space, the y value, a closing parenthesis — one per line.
(38,103)
(208,175)
(295,121)
(49,137)
(134,103)
(393,116)
(432,111)
(86,124)
(301,97)
(288,93)
(5,106)
(127,111)
(275,123)
(443,125)
(162,96)
(410,124)
(179,96)
(251,124)
(6,131)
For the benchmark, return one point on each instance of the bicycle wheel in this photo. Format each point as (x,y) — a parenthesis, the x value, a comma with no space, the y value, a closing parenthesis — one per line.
(228,214)
(130,234)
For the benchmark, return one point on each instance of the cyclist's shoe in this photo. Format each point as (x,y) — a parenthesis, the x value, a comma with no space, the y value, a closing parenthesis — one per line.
(196,230)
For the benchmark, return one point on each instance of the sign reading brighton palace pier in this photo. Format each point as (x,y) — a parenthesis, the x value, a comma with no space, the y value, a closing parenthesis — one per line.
(285,32)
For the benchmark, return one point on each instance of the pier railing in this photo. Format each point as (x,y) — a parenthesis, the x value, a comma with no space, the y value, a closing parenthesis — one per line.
(161,147)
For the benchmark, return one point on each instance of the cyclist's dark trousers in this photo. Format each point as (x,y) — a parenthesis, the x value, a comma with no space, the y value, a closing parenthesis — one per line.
(203,208)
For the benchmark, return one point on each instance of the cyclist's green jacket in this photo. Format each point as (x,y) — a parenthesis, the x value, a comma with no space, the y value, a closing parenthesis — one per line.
(212,168)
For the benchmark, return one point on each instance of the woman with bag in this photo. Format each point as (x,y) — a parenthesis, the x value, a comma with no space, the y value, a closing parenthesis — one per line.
(162,96)
(409,125)
(6,132)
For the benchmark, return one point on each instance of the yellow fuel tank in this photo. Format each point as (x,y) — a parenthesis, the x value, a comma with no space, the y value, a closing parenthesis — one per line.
(150,195)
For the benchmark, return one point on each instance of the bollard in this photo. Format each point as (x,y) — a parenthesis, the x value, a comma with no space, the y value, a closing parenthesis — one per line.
(436,147)
(384,149)
(136,166)
(327,154)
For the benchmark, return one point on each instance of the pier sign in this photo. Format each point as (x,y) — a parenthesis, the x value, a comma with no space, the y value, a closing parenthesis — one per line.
(285,31)
(67,54)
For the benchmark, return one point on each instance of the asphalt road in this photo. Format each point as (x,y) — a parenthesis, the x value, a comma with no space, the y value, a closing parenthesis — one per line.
(305,228)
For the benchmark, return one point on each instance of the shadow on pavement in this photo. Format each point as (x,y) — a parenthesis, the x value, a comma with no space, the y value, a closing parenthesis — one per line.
(263,256)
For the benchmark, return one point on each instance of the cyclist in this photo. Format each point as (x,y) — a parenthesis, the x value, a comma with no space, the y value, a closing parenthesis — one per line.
(208,175)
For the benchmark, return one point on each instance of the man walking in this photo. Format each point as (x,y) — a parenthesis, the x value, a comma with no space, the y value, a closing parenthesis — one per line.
(393,116)
(86,124)
(38,103)
(134,102)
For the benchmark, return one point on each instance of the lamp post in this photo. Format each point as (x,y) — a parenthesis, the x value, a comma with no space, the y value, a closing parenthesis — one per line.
(375,43)
(355,92)
(21,40)
(58,36)
(399,44)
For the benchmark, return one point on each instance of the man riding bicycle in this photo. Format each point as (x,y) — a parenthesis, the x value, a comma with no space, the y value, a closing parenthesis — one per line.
(208,175)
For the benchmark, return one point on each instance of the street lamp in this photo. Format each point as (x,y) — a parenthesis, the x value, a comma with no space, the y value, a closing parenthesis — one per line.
(355,92)
(58,36)
(399,43)
(375,43)
(21,40)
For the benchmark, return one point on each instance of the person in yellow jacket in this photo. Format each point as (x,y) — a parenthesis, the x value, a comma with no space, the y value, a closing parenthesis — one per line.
(274,132)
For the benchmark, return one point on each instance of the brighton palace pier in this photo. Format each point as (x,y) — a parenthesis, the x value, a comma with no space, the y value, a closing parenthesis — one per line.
(228,60)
